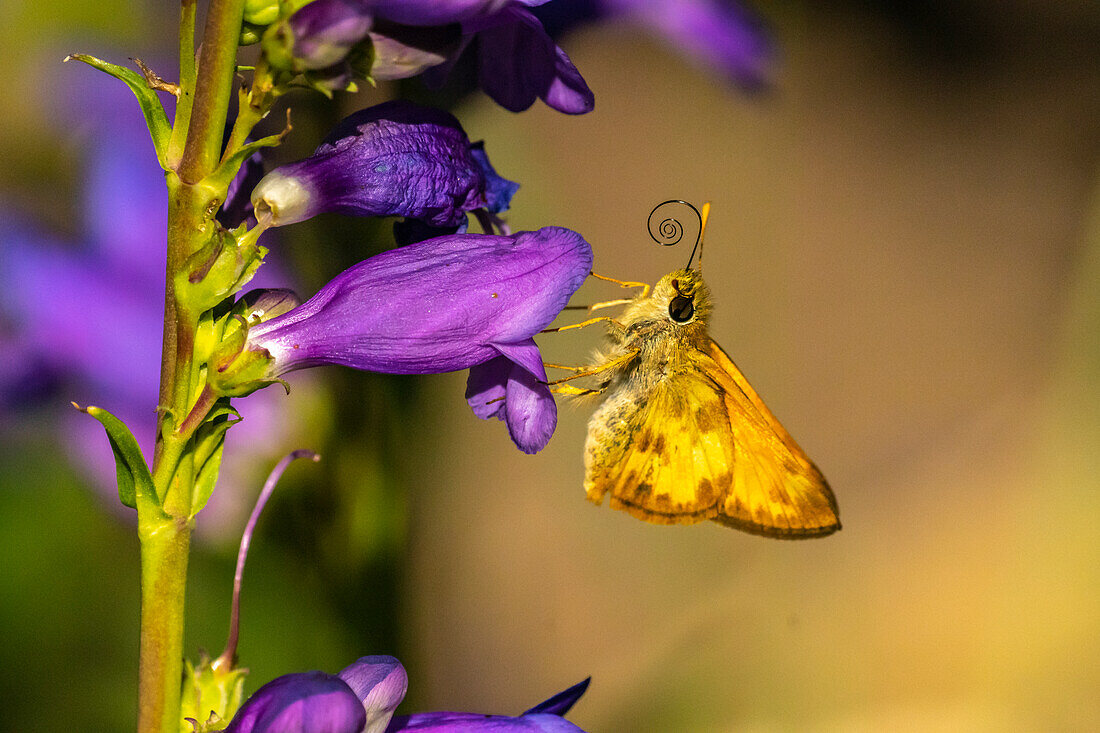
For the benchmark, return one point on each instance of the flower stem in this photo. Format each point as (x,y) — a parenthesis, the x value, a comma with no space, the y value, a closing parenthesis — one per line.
(217,64)
(228,658)
(164,550)
(165,534)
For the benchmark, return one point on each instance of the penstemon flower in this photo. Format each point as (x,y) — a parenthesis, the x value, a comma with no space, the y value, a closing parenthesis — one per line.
(517,60)
(362,699)
(393,159)
(439,305)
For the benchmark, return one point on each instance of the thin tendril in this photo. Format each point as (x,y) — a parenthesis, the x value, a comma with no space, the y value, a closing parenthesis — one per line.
(227,657)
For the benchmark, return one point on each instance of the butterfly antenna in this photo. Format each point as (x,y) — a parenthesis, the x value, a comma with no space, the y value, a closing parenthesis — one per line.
(669,231)
(702,230)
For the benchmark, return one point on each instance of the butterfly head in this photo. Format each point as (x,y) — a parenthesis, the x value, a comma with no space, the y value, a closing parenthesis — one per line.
(678,300)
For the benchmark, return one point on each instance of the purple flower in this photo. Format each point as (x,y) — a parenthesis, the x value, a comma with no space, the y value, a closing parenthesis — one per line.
(440,305)
(393,159)
(363,697)
(720,34)
(517,61)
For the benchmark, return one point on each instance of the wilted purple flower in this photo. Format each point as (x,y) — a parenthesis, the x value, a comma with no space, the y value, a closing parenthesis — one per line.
(82,320)
(393,159)
(442,305)
(517,61)
(362,698)
(722,34)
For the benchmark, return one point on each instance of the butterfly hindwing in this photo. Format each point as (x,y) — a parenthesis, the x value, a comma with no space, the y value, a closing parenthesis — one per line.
(647,450)
(701,444)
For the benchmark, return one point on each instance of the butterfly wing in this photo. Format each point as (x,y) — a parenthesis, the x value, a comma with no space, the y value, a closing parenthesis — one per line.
(776,490)
(700,444)
(657,455)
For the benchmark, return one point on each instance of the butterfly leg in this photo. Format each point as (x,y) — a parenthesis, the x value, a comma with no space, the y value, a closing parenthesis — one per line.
(625,284)
(582,324)
(566,367)
(589,371)
(578,391)
(598,306)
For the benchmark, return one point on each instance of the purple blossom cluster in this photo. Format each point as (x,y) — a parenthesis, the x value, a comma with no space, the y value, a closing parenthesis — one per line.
(445,300)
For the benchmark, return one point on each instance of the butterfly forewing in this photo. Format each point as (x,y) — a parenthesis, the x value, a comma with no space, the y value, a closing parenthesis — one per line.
(776,489)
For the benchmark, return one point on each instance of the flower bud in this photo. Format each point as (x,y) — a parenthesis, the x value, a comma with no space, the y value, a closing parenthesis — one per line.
(261,12)
(393,159)
(322,33)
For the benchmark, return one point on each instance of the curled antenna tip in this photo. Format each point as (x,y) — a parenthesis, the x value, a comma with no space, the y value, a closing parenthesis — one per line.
(669,231)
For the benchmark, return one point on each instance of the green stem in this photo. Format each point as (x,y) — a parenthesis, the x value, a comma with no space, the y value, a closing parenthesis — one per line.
(164,551)
(188,72)
(166,537)
(217,64)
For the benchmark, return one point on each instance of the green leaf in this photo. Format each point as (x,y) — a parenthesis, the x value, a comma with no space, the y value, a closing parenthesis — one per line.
(208,442)
(155,117)
(135,483)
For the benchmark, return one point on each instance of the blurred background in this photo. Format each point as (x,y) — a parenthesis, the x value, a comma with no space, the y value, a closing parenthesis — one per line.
(904,251)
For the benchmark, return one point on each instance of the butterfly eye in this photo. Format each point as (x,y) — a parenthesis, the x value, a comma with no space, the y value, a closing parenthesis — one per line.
(681,309)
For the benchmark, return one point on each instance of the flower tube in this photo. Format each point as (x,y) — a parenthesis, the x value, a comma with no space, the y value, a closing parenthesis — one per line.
(393,159)
(439,305)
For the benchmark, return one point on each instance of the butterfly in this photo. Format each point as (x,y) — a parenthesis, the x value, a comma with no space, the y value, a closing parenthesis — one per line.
(680,436)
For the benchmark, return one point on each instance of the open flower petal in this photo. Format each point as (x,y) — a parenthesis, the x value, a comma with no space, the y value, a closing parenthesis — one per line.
(722,34)
(304,702)
(439,12)
(564,701)
(486,387)
(530,411)
(519,63)
(440,305)
(380,681)
(512,388)
(546,717)
(314,702)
